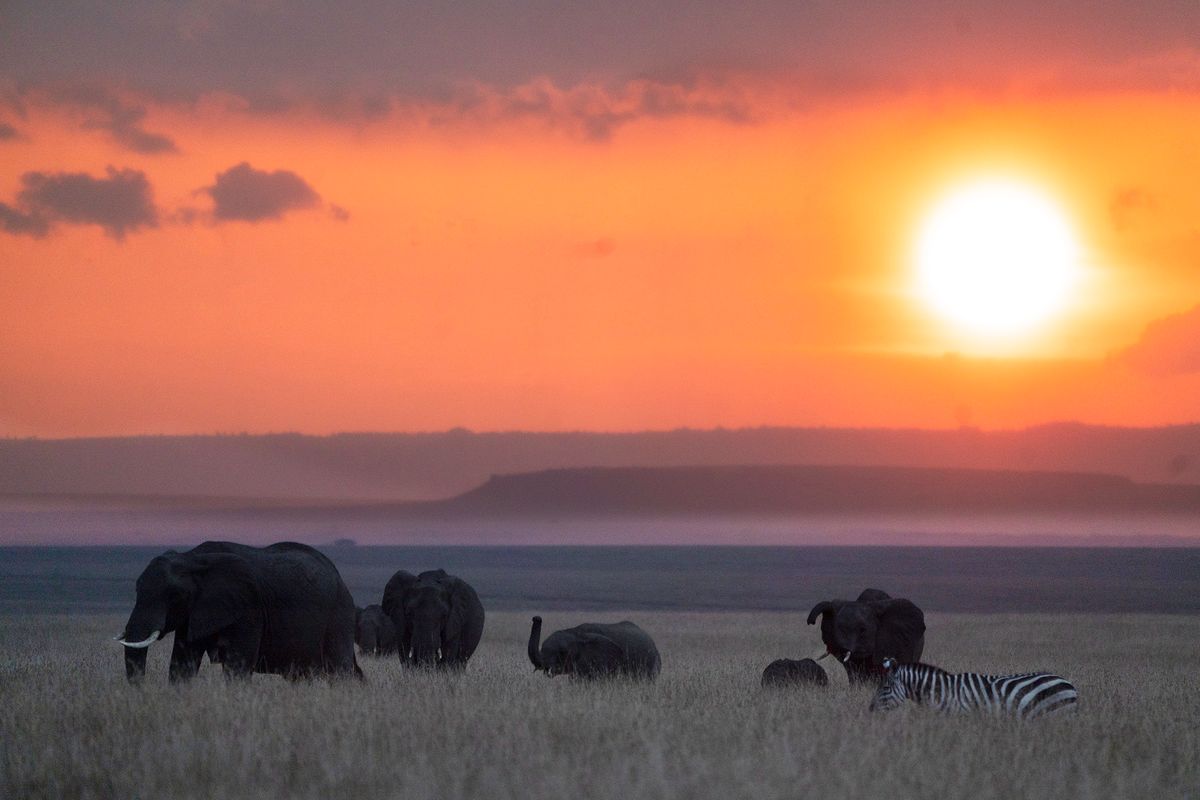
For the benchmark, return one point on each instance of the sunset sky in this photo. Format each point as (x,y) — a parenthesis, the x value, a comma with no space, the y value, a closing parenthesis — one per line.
(319,217)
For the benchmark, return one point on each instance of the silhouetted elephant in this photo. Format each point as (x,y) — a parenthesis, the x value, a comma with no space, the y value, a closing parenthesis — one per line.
(595,650)
(863,632)
(789,672)
(281,609)
(438,618)
(374,632)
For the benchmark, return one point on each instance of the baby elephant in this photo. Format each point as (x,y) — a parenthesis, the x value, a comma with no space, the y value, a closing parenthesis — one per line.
(374,632)
(789,672)
(595,650)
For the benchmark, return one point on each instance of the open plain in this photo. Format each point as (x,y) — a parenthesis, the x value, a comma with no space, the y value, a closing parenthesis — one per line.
(71,727)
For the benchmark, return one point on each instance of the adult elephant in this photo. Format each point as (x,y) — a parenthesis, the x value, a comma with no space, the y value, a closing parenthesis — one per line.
(863,632)
(281,609)
(595,650)
(438,618)
(374,632)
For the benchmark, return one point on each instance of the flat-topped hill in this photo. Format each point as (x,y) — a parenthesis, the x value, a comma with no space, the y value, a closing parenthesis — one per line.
(811,489)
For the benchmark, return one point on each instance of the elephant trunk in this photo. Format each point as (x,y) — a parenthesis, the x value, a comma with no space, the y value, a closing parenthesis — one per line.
(818,610)
(425,646)
(535,637)
(135,664)
(146,625)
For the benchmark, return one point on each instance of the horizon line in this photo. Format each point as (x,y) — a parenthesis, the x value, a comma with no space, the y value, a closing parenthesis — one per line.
(459,430)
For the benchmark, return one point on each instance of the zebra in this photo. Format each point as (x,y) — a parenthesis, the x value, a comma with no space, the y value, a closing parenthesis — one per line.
(1028,695)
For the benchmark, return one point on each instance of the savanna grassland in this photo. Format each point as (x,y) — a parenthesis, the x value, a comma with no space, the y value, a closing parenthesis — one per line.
(70,726)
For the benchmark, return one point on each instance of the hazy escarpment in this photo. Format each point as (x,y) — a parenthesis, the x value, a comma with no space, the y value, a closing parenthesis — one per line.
(815,489)
(425,466)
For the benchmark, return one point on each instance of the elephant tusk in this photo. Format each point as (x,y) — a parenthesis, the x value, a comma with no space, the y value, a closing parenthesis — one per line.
(846,657)
(142,644)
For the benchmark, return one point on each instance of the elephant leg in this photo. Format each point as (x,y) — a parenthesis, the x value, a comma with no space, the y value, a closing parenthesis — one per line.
(338,657)
(239,653)
(185,658)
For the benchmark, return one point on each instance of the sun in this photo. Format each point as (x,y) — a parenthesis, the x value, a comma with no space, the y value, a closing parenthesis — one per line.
(996,258)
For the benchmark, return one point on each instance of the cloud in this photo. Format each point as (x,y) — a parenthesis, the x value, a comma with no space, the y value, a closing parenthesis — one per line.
(8,132)
(408,48)
(122,121)
(590,111)
(1168,346)
(20,223)
(251,195)
(119,203)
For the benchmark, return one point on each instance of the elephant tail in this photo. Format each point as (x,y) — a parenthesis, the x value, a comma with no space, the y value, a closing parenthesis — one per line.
(535,637)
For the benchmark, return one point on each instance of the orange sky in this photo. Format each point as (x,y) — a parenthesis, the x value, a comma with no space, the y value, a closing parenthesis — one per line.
(508,271)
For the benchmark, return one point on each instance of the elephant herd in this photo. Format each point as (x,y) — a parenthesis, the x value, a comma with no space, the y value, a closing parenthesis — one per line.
(285,610)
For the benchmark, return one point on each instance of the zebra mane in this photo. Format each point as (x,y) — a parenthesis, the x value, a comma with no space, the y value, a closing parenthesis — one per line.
(921,668)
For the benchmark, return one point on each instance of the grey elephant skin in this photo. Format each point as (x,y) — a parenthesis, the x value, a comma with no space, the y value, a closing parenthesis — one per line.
(438,618)
(790,672)
(374,632)
(281,609)
(862,633)
(595,650)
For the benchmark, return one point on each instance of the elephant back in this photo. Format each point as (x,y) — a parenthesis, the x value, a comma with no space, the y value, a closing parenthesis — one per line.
(790,672)
(639,652)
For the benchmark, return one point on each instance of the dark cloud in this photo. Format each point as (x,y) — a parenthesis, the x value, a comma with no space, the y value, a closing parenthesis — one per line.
(339,213)
(8,132)
(251,195)
(22,223)
(591,111)
(1127,204)
(1168,346)
(384,48)
(122,121)
(119,203)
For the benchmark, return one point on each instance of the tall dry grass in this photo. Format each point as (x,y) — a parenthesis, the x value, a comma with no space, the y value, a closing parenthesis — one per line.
(71,727)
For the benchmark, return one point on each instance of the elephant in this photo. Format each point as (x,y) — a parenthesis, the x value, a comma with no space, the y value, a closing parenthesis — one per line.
(438,618)
(789,672)
(862,633)
(595,650)
(281,609)
(374,632)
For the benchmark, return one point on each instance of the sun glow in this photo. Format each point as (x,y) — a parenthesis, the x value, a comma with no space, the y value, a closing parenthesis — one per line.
(996,258)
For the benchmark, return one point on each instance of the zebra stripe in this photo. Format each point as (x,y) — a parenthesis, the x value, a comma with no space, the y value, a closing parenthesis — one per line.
(1028,695)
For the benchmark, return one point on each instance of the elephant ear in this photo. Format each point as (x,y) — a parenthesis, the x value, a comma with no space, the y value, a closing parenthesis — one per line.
(596,654)
(460,609)
(229,591)
(901,631)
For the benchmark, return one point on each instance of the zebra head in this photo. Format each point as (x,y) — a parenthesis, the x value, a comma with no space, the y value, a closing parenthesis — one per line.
(892,690)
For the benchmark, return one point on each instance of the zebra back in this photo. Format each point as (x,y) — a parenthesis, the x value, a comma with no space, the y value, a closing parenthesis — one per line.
(1027,695)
